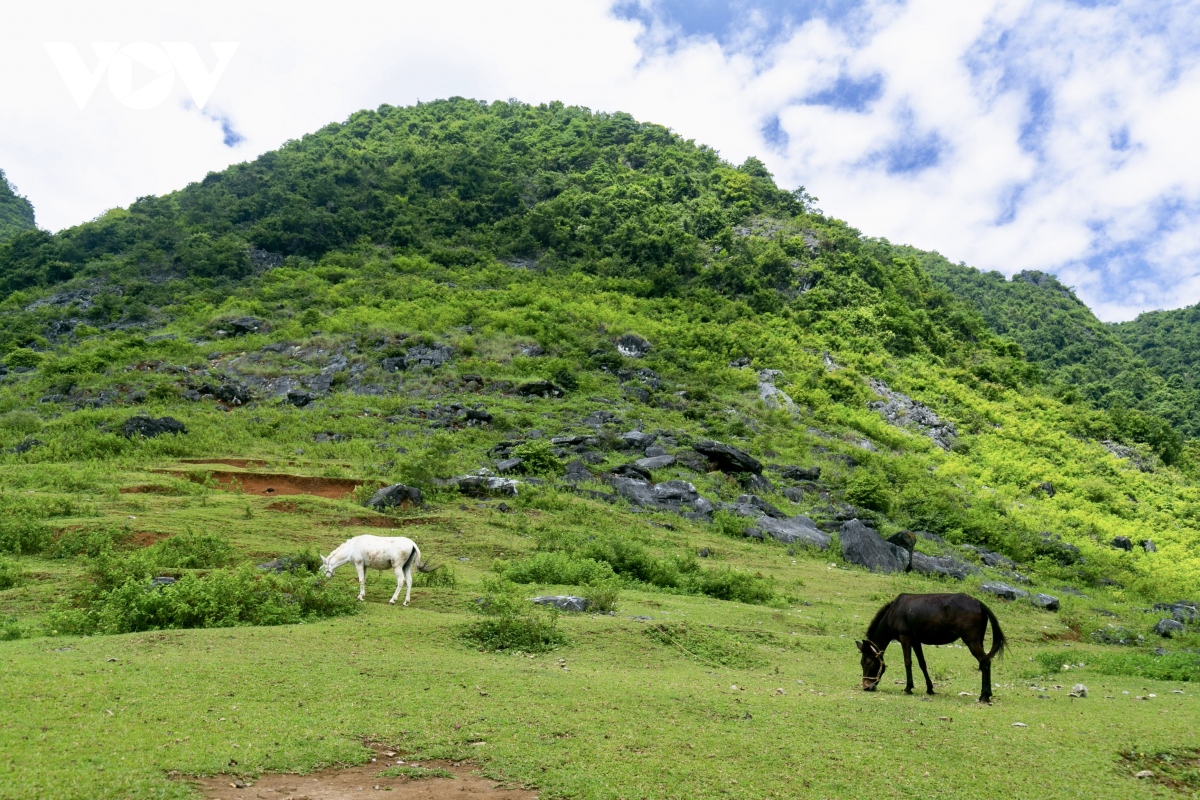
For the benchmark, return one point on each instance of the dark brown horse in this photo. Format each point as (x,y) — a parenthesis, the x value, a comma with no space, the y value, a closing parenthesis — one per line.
(917,619)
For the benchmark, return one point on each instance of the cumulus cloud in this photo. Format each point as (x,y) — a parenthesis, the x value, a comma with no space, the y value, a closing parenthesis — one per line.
(1009,134)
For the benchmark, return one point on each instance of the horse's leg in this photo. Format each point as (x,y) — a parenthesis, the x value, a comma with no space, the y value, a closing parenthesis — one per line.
(399,582)
(904,642)
(362,580)
(924,669)
(985,666)
(408,583)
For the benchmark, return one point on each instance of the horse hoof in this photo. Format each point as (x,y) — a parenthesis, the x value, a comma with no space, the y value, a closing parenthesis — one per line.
(391,602)
(908,691)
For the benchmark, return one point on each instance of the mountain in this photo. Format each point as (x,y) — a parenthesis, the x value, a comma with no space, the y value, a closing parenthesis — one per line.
(1169,341)
(419,293)
(16,213)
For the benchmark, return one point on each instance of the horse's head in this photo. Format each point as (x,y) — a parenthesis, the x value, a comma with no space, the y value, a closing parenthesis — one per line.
(872,664)
(326,568)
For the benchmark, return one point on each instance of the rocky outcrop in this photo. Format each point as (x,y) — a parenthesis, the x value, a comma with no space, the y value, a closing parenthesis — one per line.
(395,496)
(150,427)
(633,346)
(772,395)
(942,566)
(563,602)
(728,459)
(864,546)
(902,411)
(485,484)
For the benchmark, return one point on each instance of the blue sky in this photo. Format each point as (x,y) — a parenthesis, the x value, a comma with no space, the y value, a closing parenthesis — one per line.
(1008,134)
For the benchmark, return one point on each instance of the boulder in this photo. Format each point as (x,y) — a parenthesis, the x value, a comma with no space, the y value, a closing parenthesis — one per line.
(728,459)
(760,506)
(284,564)
(1149,546)
(1181,610)
(675,492)
(902,411)
(655,462)
(577,471)
(509,465)
(477,416)
(634,470)
(633,346)
(942,566)
(755,483)
(563,602)
(1122,543)
(540,389)
(432,357)
(1167,627)
(1002,590)
(396,496)
(1047,488)
(638,492)
(485,485)
(1117,635)
(637,440)
(654,451)
(1045,601)
(864,546)
(993,559)
(300,398)
(241,326)
(150,427)
(905,539)
(692,460)
(792,473)
(772,395)
(795,529)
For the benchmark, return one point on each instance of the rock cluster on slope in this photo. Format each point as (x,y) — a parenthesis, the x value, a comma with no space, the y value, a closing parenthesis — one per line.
(902,411)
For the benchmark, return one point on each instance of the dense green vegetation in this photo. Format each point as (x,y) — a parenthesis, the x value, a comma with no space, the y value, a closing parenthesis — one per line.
(1169,341)
(419,294)
(16,213)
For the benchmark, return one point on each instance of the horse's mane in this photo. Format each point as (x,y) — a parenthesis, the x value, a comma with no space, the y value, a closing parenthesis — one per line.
(879,615)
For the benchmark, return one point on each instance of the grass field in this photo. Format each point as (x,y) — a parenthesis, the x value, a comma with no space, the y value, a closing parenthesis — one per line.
(627,708)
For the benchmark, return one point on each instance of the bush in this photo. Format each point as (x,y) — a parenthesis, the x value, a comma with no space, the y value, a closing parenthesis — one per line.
(10,573)
(89,542)
(728,584)
(121,597)
(870,489)
(24,357)
(443,577)
(194,551)
(21,423)
(538,458)
(554,567)
(21,535)
(602,598)
(511,622)
(10,630)
(1178,666)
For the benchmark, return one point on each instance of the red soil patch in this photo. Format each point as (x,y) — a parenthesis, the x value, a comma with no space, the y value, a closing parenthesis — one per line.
(354,783)
(269,484)
(240,463)
(147,489)
(286,506)
(145,538)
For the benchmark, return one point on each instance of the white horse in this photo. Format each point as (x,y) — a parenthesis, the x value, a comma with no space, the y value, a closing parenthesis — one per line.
(378,552)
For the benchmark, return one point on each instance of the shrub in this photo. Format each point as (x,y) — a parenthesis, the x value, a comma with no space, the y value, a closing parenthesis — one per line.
(10,630)
(730,524)
(89,542)
(510,622)
(538,458)
(870,489)
(20,422)
(728,584)
(1179,666)
(554,567)
(24,357)
(21,534)
(443,577)
(194,551)
(121,597)
(10,573)
(602,598)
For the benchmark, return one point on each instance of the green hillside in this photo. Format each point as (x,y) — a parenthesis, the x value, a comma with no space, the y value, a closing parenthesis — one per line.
(16,213)
(611,366)
(1169,341)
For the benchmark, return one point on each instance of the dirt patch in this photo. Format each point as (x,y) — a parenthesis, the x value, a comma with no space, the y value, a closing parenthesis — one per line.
(284,506)
(145,538)
(267,484)
(240,463)
(355,783)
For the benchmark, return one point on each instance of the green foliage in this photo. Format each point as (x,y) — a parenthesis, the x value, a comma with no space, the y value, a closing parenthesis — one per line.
(10,573)
(444,577)
(201,551)
(1177,666)
(538,460)
(870,489)
(88,541)
(602,597)
(511,622)
(23,357)
(16,213)
(554,568)
(416,773)
(10,629)
(22,534)
(120,597)
(20,423)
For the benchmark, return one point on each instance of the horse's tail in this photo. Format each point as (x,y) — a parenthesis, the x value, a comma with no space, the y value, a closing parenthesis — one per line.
(998,639)
(418,563)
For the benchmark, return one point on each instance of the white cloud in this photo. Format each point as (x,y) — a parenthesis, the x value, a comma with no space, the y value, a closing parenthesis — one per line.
(1117,223)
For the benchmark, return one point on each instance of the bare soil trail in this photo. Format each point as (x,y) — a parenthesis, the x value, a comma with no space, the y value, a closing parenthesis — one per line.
(356,783)
(270,484)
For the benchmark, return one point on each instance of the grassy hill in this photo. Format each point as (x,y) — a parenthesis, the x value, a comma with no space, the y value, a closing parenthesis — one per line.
(16,213)
(566,300)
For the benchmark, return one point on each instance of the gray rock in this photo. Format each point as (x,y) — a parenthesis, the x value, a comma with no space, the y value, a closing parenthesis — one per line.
(996,560)
(563,602)
(728,459)
(540,389)
(760,506)
(150,427)
(942,566)
(638,492)
(901,410)
(241,326)
(654,451)
(1183,610)
(432,357)
(1167,627)
(864,546)
(655,462)
(634,471)
(1047,488)
(1117,635)
(755,483)
(1045,601)
(1149,546)
(675,492)
(1122,543)
(1143,463)
(25,445)
(1002,590)
(633,346)
(793,473)
(509,465)
(692,460)
(577,471)
(799,529)
(283,564)
(299,398)
(482,485)
(771,395)
(637,440)
(396,496)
